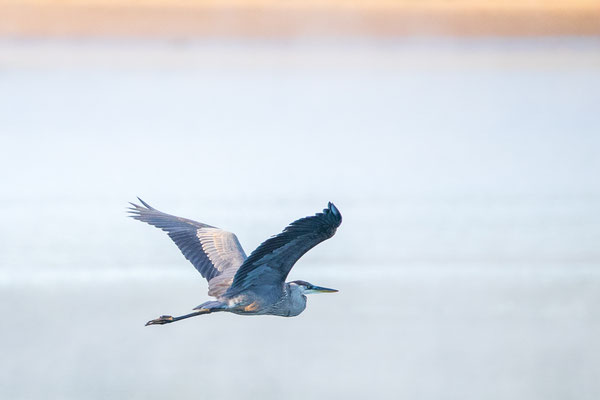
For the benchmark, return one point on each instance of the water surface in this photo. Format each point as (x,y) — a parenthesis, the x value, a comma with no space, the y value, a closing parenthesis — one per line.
(468,259)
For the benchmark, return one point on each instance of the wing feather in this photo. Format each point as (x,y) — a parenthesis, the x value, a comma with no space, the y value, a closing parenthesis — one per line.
(215,253)
(271,262)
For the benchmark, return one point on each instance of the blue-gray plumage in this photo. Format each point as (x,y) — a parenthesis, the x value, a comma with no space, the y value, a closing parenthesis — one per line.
(253,285)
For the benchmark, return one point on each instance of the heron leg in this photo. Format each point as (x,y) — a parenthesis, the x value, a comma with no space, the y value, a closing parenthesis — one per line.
(167,319)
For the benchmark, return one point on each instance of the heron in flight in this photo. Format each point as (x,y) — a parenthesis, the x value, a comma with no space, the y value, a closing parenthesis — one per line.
(253,285)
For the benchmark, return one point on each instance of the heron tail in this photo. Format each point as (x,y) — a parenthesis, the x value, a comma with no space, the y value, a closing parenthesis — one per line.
(212,306)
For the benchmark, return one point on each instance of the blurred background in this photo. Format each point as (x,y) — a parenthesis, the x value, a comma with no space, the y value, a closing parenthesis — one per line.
(459,139)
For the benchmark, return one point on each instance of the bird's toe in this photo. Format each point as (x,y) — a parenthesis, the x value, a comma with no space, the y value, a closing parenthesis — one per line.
(163,319)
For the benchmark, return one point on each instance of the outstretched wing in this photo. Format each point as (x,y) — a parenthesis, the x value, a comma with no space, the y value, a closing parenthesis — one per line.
(216,254)
(272,261)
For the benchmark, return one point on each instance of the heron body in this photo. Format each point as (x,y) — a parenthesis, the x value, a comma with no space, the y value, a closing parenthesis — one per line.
(253,285)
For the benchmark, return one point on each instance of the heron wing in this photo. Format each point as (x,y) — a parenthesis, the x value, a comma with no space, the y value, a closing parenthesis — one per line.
(272,261)
(215,253)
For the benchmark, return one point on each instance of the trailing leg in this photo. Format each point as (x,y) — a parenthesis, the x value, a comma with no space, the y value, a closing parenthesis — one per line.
(167,319)
(206,308)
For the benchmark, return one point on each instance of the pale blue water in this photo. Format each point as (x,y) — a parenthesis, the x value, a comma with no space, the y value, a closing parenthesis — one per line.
(466,172)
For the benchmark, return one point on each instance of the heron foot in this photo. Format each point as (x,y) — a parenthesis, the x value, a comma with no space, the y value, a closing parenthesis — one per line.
(163,319)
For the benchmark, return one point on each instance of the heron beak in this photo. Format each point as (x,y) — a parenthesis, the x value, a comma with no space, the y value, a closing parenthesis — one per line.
(319,289)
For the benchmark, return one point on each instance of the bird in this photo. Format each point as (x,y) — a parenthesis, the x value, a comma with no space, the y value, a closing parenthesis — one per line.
(253,285)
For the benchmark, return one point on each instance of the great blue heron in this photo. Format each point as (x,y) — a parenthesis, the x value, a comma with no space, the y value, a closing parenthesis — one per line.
(253,285)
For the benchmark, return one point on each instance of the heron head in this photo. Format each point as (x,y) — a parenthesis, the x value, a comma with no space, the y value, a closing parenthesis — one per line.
(309,288)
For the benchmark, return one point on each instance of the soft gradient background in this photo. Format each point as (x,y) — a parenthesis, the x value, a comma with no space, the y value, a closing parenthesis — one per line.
(465,164)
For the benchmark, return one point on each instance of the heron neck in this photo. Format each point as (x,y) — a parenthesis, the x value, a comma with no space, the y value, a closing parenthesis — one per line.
(296,299)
